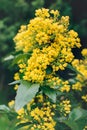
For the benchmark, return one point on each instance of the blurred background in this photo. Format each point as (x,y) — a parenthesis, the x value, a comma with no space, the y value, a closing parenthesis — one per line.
(14,13)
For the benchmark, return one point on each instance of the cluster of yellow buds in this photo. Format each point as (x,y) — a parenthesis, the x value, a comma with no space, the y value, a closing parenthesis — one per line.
(65,107)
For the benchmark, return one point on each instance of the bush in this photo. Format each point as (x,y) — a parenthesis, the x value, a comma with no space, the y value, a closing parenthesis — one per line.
(50,82)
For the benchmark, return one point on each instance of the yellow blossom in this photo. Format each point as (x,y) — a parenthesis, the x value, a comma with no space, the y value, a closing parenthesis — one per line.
(84,52)
(65,106)
(11,103)
(84,97)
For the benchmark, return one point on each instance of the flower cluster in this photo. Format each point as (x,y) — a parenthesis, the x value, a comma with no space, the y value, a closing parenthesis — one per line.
(50,43)
(65,107)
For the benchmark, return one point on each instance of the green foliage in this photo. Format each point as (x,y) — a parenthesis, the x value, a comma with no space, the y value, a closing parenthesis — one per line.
(7,118)
(25,93)
(51,93)
(77,119)
(5,124)
(6,110)
(21,125)
(77,114)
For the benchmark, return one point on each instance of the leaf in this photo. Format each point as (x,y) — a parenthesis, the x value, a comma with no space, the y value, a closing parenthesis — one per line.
(77,119)
(73,69)
(10,57)
(14,82)
(77,114)
(4,108)
(76,125)
(12,115)
(51,93)
(72,81)
(25,93)
(19,57)
(72,125)
(22,125)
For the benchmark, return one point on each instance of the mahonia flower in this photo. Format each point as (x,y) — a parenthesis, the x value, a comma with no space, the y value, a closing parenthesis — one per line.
(16,76)
(84,52)
(50,43)
(81,67)
(11,104)
(65,107)
(84,97)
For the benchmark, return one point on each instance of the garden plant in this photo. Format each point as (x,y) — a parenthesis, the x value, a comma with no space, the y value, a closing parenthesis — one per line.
(50,82)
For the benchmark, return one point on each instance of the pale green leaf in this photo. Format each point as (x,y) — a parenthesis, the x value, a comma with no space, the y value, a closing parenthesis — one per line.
(10,57)
(15,82)
(4,108)
(25,93)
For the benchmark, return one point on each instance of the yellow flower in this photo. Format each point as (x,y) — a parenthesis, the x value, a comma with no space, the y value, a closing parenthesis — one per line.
(42,12)
(16,76)
(65,107)
(11,104)
(85,128)
(49,41)
(16,87)
(84,97)
(65,88)
(77,86)
(84,52)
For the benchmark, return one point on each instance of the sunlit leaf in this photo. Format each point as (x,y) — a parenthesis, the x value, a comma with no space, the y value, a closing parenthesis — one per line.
(15,82)
(25,93)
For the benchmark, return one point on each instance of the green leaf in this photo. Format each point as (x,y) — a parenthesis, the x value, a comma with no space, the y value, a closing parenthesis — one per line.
(76,125)
(72,81)
(25,93)
(19,57)
(51,93)
(15,82)
(77,114)
(72,125)
(12,115)
(77,119)
(10,57)
(4,108)
(22,125)
(73,69)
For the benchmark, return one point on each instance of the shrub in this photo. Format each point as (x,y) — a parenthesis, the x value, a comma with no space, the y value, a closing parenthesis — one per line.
(50,82)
